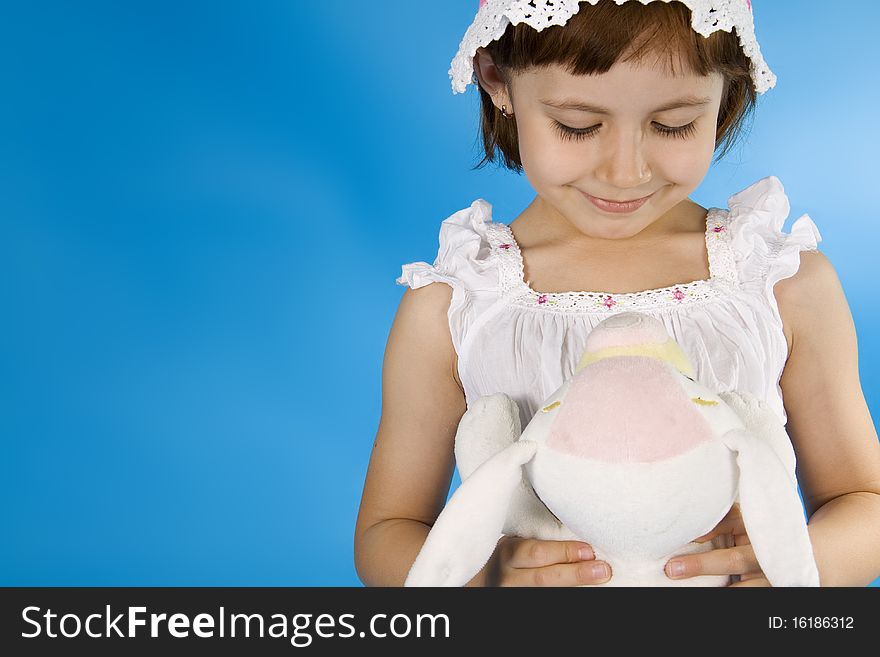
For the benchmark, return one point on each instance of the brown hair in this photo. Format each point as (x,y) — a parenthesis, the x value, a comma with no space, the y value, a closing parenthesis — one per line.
(595,38)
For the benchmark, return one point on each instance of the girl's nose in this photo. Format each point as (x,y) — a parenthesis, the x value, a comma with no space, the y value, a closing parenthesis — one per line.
(624,165)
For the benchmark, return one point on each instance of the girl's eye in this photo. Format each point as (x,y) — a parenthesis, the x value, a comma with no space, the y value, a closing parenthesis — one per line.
(578,134)
(682,132)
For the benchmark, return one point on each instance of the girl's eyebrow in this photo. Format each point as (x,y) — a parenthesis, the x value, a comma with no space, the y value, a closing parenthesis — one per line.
(574,104)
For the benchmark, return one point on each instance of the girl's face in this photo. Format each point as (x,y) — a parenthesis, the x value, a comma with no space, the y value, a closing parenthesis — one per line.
(614,136)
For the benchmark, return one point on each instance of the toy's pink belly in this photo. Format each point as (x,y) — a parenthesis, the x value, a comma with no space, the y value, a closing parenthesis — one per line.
(627,410)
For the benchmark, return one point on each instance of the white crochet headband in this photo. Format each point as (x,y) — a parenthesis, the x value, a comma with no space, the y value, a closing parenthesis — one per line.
(707,16)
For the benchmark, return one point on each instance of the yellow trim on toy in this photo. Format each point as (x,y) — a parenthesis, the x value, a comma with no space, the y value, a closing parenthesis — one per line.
(704,402)
(549,408)
(668,351)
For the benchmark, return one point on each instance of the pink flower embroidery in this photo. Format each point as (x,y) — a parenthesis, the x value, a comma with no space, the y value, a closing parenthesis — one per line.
(542,299)
(718,229)
(504,246)
(748,2)
(678,295)
(608,302)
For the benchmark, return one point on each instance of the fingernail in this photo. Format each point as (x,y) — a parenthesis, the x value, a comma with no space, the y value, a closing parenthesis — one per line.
(675,568)
(585,554)
(600,571)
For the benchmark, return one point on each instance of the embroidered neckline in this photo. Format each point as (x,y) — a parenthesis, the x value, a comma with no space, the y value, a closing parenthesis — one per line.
(722,274)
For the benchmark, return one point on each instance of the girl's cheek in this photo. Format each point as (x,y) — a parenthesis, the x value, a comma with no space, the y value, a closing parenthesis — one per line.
(552,161)
(539,145)
(556,167)
(681,159)
(691,161)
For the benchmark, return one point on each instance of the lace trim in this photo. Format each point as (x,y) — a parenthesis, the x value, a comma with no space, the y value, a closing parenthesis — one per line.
(722,276)
(722,260)
(707,16)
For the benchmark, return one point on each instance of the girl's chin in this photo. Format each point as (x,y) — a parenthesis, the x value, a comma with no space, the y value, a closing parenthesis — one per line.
(614,234)
(601,228)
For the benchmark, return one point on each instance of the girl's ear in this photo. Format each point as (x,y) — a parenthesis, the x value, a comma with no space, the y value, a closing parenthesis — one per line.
(465,534)
(490,78)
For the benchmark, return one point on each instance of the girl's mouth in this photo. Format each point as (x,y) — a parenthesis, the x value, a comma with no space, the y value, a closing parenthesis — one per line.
(617,207)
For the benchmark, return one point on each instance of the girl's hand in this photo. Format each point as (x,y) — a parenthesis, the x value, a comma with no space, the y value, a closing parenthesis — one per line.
(736,557)
(531,562)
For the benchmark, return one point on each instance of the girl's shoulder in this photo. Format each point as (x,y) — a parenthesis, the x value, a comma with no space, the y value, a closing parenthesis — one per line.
(462,260)
(464,263)
(763,251)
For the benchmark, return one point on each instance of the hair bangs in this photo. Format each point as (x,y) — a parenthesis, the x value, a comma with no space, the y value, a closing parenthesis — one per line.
(597,37)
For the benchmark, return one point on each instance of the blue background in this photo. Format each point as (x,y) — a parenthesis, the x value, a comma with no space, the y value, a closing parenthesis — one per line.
(204,207)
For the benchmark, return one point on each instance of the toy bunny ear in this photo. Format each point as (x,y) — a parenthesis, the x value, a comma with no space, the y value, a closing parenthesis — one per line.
(467,530)
(760,419)
(772,512)
(490,425)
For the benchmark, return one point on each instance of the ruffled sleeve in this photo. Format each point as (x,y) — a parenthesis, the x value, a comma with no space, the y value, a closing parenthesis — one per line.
(463,255)
(463,262)
(764,254)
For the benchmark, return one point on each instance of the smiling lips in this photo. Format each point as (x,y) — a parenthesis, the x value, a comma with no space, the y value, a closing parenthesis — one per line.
(618,208)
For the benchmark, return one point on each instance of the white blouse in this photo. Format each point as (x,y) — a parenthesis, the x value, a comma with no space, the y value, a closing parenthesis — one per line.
(512,339)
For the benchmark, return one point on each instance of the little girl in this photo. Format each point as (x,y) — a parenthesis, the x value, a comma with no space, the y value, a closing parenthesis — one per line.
(614,109)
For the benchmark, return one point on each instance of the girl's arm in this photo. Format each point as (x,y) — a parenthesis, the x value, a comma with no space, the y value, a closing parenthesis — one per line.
(412,461)
(838,456)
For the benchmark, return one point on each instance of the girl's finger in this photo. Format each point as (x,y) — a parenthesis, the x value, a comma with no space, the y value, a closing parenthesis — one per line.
(731,561)
(532,553)
(732,523)
(722,541)
(562,574)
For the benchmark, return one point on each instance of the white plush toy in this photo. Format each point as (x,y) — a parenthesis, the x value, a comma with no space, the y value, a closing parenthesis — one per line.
(630,455)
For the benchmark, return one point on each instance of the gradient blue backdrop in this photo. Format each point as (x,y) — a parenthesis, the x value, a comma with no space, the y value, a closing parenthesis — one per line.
(204,207)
